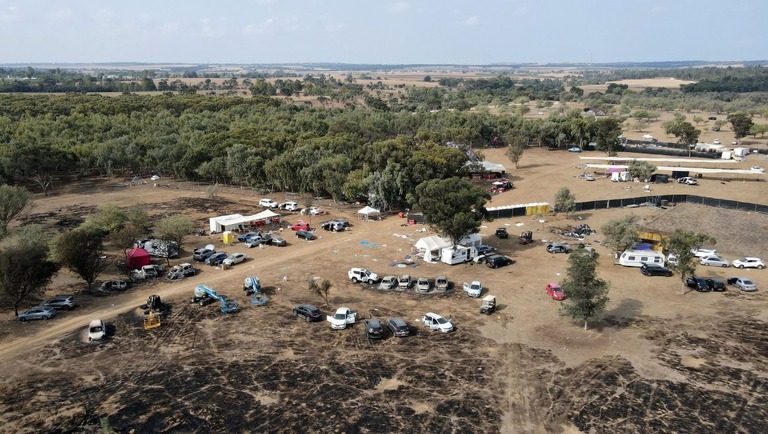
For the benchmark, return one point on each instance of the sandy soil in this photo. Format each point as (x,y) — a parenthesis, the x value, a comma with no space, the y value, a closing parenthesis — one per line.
(658,360)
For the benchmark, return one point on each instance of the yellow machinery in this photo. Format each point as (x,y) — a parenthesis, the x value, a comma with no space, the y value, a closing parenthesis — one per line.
(152,320)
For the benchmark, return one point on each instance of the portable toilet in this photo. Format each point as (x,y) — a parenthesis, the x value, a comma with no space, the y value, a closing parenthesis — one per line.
(227,237)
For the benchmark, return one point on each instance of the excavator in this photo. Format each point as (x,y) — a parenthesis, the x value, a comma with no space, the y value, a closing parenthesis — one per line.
(252,287)
(205,295)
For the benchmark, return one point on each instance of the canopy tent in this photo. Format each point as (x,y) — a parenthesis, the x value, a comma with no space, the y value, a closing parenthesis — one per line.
(237,221)
(367,212)
(431,246)
(137,258)
(473,240)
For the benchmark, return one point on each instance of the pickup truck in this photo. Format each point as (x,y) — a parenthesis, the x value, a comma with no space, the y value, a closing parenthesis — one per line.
(473,289)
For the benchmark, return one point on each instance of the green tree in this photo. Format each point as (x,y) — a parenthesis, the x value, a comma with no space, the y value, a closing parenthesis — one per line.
(686,134)
(13,200)
(640,169)
(621,234)
(606,134)
(175,228)
(455,206)
(586,295)
(565,201)
(681,243)
(741,123)
(515,149)
(24,266)
(108,218)
(698,119)
(322,289)
(758,129)
(82,251)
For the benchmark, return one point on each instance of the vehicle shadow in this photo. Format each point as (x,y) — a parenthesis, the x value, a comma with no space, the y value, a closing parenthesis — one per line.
(622,315)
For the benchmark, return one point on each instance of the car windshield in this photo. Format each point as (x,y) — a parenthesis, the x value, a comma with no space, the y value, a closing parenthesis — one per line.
(746,281)
(340,316)
(441,320)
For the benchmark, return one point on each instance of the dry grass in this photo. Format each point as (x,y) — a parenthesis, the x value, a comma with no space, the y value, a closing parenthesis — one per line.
(738,233)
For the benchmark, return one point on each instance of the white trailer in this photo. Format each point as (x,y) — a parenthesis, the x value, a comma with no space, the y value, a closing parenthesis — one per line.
(636,258)
(457,254)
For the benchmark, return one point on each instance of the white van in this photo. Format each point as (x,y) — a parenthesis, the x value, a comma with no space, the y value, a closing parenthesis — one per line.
(636,258)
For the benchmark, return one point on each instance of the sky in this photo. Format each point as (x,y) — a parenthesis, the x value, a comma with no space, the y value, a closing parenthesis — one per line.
(381,31)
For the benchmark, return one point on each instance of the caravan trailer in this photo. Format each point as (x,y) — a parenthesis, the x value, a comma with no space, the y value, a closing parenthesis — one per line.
(457,254)
(636,258)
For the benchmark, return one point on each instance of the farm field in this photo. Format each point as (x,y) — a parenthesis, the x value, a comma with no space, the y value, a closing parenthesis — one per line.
(657,361)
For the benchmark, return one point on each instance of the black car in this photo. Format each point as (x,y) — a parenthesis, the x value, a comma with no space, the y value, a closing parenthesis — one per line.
(308,312)
(496,261)
(398,327)
(716,284)
(502,233)
(484,250)
(373,329)
(307,235)
(655,270)
(698,283)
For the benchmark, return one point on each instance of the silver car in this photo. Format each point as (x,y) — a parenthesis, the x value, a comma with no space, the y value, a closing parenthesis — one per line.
(39,312)
(714,261)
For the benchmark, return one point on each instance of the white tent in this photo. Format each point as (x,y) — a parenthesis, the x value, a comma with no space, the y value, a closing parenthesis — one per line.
(219,224)
(367,212)
(473,240)
(235,221)
(431,246)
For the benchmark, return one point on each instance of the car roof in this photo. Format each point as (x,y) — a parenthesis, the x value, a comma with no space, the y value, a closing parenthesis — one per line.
(373,321)
(397,321)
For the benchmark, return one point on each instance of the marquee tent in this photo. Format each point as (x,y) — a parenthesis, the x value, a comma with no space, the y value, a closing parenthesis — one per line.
(367,212)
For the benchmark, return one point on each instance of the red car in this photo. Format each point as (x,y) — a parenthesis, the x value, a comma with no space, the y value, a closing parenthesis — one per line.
(553,289)
(300,225)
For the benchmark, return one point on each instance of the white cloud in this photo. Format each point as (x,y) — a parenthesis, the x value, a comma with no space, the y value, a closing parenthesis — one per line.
(10,15)
(334,27)
(658,9)
(522,10)
(104,17)
(471,21)
(401,7)
(213,28)
(61,14)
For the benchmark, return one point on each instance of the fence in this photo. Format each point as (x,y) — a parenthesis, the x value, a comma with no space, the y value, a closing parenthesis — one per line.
(660,200)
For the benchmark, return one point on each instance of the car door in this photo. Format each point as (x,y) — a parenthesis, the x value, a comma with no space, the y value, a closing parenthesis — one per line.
(351,317)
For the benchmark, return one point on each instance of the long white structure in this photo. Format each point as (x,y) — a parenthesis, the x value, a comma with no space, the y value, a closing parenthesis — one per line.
(684,169)
(665,160)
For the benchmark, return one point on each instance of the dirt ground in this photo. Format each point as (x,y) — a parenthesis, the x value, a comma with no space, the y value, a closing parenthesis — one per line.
(657,361)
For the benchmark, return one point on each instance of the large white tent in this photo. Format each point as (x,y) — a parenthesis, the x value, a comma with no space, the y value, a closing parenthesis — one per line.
(367,212)
(431,246)
(235,221)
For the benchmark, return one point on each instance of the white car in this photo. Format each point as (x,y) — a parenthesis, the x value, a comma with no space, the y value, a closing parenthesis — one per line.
(700,253)
(388,282)
(269,203)
(434,321)
(357,274)
(748,262)
(234,258)
(96,330)
(423,284)
(342,318)
(289,206)
(714,261)
(473,289)
(687,180)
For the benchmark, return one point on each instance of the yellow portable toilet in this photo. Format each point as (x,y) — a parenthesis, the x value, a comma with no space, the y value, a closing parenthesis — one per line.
(227,238)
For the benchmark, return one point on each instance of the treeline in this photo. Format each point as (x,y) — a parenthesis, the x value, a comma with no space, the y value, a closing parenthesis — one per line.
(257,142)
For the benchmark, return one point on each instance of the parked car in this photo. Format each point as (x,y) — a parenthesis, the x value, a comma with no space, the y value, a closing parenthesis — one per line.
(247,236)
(181,270)
(749,262)
(96,330)
(308,312)
(300,225)
(373,329)
(113,285)
(63,302)
(574,149)
(398,327)
(333,225)
(589,177)
(404,282)
(40,312)
(253,242)
(554,291)
(743,283)
(388,282)
(216,259)
(276,241)
(307,235)
(234,258)
(698,283)
(502,233)
(442,284)
(423,284)
(289,206)
(202,254)
(342,318)
(559,248)
(268,203)
(715,284)
(655,270)
(473,289)
(357,274)
(687,180)
(700,253)
(482,249)
(496,261)
(434,321)
(715,261)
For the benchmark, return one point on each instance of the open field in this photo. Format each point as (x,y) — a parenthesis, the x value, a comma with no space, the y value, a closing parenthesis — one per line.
(657,361)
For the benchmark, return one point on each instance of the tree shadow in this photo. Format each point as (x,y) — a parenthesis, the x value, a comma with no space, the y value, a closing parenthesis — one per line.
(622,315)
